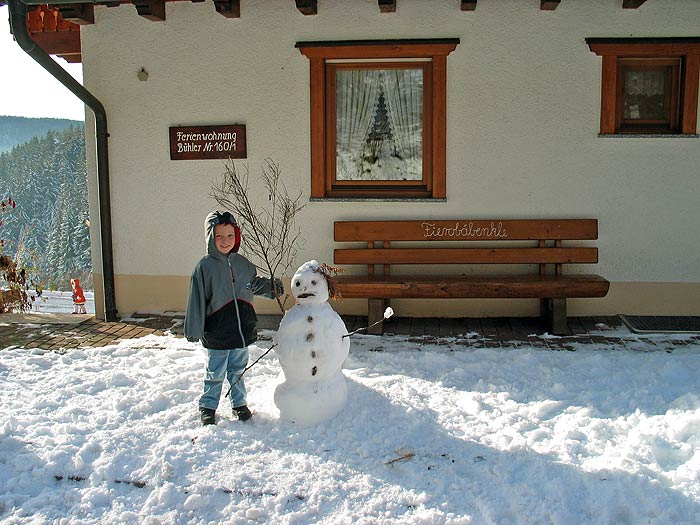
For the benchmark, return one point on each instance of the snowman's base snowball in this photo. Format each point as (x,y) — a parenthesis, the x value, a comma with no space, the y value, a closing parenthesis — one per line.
(311,402)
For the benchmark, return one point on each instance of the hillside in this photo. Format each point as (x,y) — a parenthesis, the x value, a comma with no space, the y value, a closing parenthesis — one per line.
(18,130)
(47,178)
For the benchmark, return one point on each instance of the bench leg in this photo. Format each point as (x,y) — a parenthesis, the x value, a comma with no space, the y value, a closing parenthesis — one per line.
(375,312)
(545,310)
(554,313)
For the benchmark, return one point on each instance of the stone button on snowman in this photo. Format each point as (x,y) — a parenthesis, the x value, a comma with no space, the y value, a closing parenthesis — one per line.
(312,344)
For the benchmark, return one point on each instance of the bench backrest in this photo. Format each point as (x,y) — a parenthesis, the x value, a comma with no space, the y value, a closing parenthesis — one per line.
(548,249)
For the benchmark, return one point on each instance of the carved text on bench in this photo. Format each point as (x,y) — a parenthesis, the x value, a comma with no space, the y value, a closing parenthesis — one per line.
(465,230)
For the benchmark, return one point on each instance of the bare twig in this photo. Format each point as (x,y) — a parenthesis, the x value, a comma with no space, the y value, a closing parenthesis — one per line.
(270,231)
(405,456)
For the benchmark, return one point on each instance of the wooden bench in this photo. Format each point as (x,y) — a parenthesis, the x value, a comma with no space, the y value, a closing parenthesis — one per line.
(536,248)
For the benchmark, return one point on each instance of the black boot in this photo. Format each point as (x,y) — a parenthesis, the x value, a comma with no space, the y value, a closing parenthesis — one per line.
(207,416)
(242,412)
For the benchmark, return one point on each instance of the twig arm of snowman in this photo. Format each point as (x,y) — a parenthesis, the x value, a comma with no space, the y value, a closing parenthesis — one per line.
(387,313)
(248,368)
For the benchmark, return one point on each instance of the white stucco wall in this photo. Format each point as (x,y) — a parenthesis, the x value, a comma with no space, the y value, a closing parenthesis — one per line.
(523,108)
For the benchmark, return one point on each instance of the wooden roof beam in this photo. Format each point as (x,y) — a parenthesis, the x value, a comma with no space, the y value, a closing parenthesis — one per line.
(227,8)
(307,7)
(387,6)
(81,14)
(151,9)
(549,5)
(72,59)
(468,5)
(632,4)
(62,43)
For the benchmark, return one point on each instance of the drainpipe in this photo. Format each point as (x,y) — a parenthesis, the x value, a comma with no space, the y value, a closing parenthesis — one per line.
(18,16)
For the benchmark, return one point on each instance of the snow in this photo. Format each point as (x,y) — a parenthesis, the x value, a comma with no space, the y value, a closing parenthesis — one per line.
(434,432)
(61,302)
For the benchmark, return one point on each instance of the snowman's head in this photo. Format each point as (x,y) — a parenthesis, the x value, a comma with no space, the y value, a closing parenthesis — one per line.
(309,284)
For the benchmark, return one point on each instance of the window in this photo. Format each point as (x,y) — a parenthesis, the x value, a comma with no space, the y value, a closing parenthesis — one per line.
(648,99)
(378,118)
(649,86)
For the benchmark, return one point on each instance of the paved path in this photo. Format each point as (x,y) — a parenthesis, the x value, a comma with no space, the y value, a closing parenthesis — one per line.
(603,332)
(89,333)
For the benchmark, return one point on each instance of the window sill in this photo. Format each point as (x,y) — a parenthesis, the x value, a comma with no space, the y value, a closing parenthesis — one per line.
(648,135)
(374,199)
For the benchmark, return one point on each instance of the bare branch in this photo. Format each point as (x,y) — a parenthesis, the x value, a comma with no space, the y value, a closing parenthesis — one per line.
(270,232)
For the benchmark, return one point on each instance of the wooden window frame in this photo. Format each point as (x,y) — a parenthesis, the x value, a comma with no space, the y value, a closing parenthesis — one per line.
(325,58)
(658,53)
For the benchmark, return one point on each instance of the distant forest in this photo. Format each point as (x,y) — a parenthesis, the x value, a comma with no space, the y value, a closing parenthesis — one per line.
(18,130)
(49,229)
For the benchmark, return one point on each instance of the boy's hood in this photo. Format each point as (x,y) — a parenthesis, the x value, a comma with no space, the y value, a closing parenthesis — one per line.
(209,223)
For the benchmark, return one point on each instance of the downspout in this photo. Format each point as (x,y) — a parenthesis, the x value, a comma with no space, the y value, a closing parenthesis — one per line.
(18,24)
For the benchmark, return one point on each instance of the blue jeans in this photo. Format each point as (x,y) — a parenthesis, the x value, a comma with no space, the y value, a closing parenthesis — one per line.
(222,364)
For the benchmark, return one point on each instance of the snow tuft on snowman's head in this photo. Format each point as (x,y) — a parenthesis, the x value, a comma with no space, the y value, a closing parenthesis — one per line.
(312,283)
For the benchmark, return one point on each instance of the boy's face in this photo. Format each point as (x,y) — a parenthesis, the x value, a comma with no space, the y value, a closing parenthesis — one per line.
(224,237)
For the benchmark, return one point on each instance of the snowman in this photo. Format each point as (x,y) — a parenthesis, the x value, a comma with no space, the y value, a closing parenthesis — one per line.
(311,345)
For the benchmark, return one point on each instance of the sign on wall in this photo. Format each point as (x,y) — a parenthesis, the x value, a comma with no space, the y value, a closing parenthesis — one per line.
(208,142)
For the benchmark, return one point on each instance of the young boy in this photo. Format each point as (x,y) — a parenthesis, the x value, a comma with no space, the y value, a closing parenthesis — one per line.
(220,313)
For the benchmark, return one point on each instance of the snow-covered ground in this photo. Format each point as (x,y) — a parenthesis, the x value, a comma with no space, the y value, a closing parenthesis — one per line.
(432,434)
(61,302)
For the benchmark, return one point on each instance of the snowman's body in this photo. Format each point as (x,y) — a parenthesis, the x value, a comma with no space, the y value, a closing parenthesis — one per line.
(311,350)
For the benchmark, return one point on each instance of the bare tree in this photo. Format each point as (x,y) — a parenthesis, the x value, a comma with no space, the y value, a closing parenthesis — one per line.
(15,274)
(270,231)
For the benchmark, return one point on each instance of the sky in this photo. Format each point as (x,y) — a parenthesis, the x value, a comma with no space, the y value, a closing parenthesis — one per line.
(447,431)
(28,90)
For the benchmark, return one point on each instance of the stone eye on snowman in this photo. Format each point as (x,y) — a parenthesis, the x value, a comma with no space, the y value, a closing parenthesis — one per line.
(311,345)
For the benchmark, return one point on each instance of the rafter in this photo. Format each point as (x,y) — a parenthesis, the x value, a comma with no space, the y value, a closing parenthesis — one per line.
(53,33)
(468,5)
(387,6)
(78,13)
(307,7)
(227,8)
(632,4)
(151,9)
(549,5)
(63,43)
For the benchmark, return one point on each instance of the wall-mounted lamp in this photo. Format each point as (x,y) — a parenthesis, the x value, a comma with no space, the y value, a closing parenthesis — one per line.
(142,75)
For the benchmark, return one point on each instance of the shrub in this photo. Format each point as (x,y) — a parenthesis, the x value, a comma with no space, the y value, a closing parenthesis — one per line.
(14,280)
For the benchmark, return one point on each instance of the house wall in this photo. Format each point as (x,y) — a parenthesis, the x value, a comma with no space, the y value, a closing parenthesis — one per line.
(523,107)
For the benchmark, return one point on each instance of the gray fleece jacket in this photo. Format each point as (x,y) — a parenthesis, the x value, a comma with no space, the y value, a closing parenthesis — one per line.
(220,309)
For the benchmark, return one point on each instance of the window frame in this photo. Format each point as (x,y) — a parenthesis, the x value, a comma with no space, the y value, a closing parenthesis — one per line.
(655,51)
(325,58)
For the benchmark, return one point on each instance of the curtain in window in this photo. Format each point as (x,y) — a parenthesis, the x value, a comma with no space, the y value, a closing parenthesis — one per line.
(645,83)
(356,98)
(645,95)
(403,89)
